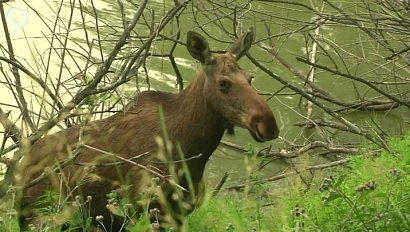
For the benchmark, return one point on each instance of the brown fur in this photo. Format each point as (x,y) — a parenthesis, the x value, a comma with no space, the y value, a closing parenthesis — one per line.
(196,120)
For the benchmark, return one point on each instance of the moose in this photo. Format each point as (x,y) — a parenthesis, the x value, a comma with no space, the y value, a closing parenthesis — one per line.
(168,137)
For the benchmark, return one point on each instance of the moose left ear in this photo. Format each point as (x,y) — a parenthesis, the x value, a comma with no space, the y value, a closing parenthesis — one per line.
(198,47)
(242,45)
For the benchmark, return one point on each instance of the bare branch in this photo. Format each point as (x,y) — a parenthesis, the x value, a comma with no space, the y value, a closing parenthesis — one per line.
(293,173)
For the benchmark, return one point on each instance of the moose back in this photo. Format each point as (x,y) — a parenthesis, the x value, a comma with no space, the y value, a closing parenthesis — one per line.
(169,136)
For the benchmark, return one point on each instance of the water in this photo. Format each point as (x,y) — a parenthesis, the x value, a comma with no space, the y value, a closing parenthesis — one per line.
(288,31)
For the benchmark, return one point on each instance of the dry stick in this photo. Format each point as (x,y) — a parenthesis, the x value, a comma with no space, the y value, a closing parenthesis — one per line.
(285,175)
(11,130)
(368,31)
(62,113)
(367,105)
(220,184)
(127,67)
(233,146)
(64,50)
(136,164)
(364,105)
(353,127)
(297,150)
(5,161)
(21,99)
(180,80)
(389,96)
(102,70)
(109,164)
(295,72)
(9,127)
(34,78)
(326,123)
(311,77)
(61,164)
(164,21)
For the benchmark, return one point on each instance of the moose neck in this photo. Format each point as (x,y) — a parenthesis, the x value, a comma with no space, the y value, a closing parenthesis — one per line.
(199,129)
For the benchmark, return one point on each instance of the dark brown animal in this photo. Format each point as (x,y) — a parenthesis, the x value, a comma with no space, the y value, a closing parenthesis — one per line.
(110,154)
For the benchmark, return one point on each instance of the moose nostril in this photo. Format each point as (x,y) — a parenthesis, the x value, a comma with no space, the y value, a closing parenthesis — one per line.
(267,129)
(263,133)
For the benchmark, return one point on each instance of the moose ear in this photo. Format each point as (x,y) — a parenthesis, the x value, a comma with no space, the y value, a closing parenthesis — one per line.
(242,45)
(198,47)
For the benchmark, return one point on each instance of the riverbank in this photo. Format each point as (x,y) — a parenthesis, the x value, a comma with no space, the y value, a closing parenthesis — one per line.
(370,193)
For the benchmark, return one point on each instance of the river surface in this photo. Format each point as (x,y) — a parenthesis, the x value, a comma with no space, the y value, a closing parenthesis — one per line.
(28,33)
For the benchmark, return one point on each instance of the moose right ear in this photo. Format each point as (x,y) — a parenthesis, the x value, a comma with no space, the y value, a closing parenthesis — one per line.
(198,47)
(242,45)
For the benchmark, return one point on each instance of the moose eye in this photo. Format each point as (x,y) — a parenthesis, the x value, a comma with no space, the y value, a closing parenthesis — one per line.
(224,85)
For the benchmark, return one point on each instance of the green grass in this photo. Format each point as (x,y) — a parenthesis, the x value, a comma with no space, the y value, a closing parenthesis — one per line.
(230,214)
(371,194)
(8,216)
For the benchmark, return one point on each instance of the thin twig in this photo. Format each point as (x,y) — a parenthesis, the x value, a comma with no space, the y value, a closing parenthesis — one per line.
(289,174)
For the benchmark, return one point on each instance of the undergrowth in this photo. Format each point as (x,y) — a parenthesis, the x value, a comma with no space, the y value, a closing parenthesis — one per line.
(370,194)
